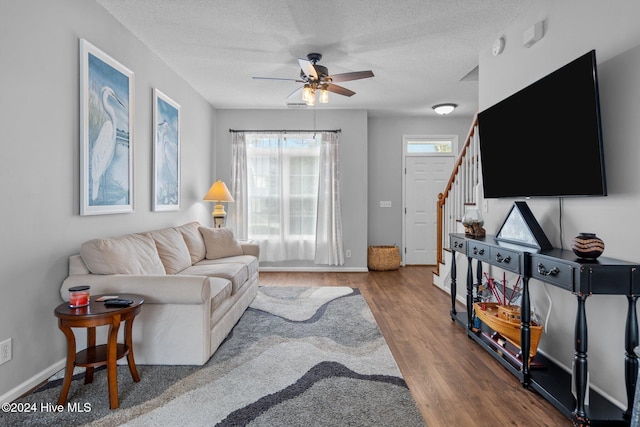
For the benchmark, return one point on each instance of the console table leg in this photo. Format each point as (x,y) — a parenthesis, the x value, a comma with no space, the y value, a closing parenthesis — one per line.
(580,358)
(630,357)
(478,279)
(454,286)
(525,331)
(469,294)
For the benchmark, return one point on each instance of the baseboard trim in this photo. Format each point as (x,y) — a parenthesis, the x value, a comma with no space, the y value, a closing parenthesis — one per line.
(32,382)
(317,269)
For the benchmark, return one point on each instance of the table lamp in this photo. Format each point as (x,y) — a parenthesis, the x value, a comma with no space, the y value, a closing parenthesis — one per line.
(218,193)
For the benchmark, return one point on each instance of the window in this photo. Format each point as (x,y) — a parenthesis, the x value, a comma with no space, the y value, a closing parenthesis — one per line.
(429,145)
(282,185)
(286,189)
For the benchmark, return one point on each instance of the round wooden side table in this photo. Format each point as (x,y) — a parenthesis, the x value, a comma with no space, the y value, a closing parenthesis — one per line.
(98,314)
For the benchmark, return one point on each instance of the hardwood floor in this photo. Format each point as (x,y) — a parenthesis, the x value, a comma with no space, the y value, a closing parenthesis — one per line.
(452,379)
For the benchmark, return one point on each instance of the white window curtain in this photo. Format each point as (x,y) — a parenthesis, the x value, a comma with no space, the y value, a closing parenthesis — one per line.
(286,188)
(329,223)
(237,217)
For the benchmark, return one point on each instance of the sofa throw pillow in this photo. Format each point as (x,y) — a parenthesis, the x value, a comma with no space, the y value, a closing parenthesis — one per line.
(172,250)
(220,243)
(193,238)
(130,254)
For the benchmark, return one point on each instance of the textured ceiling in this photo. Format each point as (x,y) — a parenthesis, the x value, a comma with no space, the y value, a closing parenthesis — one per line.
(421,51)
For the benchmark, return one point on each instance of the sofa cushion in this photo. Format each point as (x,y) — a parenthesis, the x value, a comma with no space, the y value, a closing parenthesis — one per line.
(220,243)
(194,241)
(172,250)
(248,260)
(236,273)
(220,292)
(129,254)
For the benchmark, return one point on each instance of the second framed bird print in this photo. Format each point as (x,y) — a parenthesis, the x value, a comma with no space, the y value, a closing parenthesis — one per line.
(166,153)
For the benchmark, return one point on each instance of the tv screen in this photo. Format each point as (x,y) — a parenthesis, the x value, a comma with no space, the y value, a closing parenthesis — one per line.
(546,139)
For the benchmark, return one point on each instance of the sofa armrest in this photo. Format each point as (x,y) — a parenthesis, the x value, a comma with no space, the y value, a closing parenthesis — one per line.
(250,247)
(156,289)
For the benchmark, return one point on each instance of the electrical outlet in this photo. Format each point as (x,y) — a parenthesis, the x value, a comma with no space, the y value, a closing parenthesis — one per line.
(347,253)
(5,351)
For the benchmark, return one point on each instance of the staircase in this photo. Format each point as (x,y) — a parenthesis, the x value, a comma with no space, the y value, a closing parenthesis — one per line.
(463,191)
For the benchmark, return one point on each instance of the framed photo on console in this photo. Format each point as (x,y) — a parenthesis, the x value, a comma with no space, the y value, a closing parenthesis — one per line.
(166,153)
(521,228)
(106,133)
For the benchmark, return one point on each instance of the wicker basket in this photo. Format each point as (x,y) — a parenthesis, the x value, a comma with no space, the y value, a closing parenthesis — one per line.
(383,258)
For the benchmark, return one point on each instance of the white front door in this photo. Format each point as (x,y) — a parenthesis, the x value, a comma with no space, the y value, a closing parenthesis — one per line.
(425,177)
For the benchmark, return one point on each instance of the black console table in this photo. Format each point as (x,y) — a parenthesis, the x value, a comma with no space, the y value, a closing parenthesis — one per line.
(560,268)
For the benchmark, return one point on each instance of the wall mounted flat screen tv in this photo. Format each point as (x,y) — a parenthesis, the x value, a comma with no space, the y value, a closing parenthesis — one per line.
(546,139)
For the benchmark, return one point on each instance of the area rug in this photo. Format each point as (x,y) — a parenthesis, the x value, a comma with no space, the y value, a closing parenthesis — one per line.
(299,356)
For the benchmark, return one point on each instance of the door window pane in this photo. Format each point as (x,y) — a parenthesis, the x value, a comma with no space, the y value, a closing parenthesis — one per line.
(429,146)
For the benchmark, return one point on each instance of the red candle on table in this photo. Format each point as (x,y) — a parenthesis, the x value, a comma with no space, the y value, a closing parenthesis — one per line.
(79,296)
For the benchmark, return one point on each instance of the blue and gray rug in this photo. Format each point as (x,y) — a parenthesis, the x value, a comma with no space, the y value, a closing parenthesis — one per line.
(297,357)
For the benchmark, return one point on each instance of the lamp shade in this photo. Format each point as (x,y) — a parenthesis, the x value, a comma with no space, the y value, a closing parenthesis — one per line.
(218,193)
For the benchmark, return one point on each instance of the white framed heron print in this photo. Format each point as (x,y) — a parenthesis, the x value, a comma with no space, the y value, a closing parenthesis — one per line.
(166,153)
(106,133)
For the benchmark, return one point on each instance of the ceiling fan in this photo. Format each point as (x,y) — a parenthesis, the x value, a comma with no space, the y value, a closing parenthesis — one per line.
(316,77)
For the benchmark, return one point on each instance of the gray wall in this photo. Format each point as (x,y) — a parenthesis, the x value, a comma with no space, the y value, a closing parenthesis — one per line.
(353,164)
(39,165)
(574,27)
(385,166)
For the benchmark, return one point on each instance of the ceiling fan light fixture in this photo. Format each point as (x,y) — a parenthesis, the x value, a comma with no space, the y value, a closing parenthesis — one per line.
(311,101)
(317,77)
(444,109)
(324,95)
(307,93)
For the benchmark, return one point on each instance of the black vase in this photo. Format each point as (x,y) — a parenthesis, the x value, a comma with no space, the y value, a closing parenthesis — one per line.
(587,245)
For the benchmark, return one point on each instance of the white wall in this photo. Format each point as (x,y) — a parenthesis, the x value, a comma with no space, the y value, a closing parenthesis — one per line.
(574,27)
(353,164)
(39,165)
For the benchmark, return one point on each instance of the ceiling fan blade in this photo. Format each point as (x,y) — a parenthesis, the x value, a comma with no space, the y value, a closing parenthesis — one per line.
(340,90)
(296,93)
(356,75)
(308,69)
(277,78)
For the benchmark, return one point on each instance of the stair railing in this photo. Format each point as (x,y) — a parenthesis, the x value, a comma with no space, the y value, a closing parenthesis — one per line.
(461,190)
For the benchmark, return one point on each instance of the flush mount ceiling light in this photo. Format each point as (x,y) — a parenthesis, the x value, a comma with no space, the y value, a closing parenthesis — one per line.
(444,109)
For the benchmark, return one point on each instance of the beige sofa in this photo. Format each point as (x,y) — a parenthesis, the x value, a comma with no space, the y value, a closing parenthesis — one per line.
(196,282)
